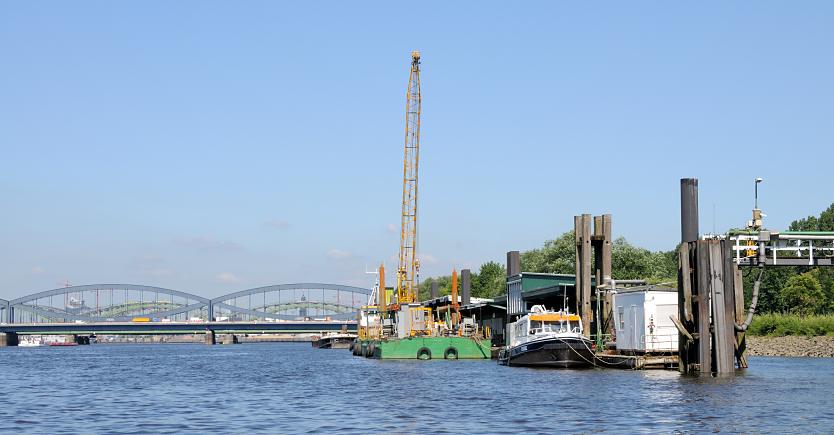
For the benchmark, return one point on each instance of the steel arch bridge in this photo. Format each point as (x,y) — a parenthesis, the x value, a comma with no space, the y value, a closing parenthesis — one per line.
(124,302)
(292,302)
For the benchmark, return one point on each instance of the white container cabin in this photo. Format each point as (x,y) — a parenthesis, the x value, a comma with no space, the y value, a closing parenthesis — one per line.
(642,322)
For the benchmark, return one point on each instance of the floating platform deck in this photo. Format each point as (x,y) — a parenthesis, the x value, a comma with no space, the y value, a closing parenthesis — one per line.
(637,362)
(424,348)
(334,341)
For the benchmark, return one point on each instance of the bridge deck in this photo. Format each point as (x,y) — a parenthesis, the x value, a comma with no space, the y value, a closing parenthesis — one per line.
(175,327)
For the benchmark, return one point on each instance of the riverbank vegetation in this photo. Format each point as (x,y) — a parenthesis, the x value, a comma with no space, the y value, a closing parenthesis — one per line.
(803,290)
(778,325)
(802,296)
(559,256)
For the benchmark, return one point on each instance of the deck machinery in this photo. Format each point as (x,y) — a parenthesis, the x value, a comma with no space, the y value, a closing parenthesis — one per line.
(397,325)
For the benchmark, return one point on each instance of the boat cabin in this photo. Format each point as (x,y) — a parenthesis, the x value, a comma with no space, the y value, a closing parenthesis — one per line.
(541,323)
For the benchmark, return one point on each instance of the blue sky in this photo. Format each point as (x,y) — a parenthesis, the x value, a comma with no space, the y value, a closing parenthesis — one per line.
(212,146)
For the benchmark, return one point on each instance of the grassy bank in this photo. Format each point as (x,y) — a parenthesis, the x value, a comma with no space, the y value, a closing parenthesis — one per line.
(789,324)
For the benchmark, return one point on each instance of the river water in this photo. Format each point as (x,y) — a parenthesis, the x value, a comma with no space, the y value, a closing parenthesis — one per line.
(292,388)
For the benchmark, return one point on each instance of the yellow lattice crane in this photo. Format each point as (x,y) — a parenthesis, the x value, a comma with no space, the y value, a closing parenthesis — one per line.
(409,266)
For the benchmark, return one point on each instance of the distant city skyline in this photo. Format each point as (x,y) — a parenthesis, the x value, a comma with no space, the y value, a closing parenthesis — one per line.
(206,147)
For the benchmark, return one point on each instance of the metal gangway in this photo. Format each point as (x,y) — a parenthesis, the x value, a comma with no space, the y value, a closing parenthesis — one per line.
(783,248)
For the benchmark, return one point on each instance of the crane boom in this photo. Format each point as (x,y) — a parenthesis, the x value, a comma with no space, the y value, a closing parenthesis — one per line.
(409,266)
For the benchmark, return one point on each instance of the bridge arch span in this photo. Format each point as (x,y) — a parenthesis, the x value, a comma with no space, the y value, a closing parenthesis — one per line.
(292,302)
(4,311)
(124,302)
(82,288)
(105,302)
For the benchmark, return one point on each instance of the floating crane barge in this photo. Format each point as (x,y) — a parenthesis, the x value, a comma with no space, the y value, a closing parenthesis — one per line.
(395,324)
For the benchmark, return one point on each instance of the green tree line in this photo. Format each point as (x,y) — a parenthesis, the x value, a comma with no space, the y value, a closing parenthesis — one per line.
(799,290)
(796,290)
(559,256)
(487,282)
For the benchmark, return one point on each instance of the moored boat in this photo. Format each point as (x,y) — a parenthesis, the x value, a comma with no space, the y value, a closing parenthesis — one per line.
(546,338)
(334,340)
(31,341)
(62,343)
(59,340)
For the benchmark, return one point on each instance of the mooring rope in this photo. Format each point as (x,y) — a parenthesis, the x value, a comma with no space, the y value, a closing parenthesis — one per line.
(593,363)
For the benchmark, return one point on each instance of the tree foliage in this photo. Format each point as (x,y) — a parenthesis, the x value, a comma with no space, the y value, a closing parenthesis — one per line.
(773,279)
(556,256)
(784,289)
(778,292)
(488,282)
(627,261)
(823,222)
(559,256)
(803,295)
(444,286)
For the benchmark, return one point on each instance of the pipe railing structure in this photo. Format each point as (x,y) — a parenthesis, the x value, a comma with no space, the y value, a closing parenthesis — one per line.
(783,248)
(786,248)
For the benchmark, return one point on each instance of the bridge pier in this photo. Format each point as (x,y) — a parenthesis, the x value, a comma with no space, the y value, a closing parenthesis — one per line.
(8,339)
(211,337)
(229,339)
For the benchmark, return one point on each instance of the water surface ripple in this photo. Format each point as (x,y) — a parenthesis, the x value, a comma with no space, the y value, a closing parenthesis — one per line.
(292,388)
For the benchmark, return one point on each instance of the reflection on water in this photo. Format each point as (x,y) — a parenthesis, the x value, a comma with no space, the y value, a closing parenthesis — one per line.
(273,388)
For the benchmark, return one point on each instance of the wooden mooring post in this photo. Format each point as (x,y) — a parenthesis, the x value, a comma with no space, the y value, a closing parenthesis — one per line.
(600,243)
(708,287)
(601,240)
(582,230)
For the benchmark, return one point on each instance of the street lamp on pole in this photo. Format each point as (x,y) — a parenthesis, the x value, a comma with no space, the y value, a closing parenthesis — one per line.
(756,222)
(756,197)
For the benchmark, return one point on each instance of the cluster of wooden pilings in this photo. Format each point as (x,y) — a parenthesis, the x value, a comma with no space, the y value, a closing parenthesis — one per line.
(600,243)
(710,297)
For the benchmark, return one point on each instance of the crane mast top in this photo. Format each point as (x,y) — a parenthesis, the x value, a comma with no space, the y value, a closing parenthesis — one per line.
(409,266)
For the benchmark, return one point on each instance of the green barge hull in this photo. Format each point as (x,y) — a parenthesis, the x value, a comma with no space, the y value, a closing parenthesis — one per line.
(424,348)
